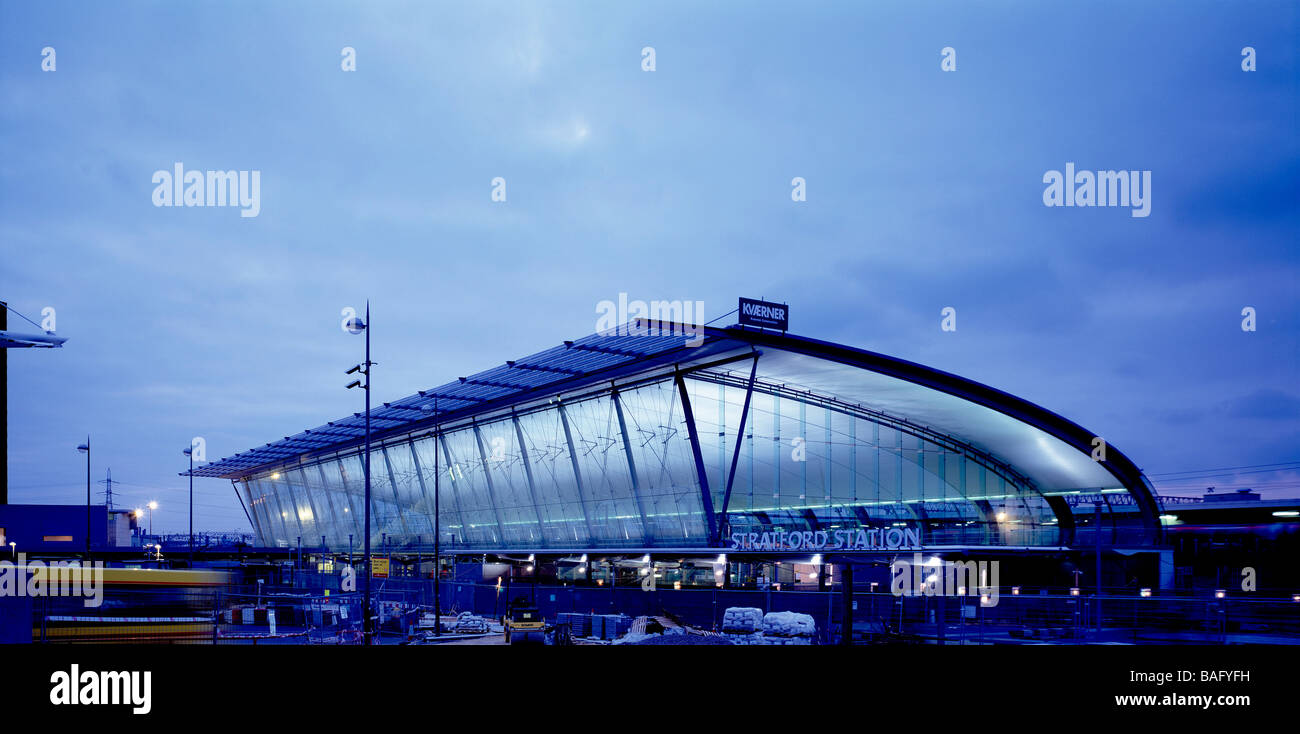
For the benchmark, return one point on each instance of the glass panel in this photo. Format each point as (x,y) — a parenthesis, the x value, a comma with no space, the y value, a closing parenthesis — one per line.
(617,508)
(310,531)
(505,464)
(416,503)
(661,447)
(350,467)
(807,461)
(467,482)
(564,515)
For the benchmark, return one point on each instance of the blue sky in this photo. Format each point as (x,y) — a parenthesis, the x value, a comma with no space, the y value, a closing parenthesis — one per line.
(924,190)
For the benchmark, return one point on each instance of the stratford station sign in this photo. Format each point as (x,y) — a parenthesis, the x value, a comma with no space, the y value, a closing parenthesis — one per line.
(850,539)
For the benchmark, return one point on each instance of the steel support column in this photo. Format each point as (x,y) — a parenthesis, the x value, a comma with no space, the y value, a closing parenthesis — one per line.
(491,488)
(740,437)
(577,473)
(532,487)
(397,501)
(631,468)
(419,473)
(455,486)
(846,616)
(235,486)
(706,499)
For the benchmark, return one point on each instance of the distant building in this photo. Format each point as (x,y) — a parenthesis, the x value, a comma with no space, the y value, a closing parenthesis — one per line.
(1241,495)
(62,528)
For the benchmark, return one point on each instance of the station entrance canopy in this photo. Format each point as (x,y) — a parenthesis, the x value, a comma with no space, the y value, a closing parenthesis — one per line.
(663,436)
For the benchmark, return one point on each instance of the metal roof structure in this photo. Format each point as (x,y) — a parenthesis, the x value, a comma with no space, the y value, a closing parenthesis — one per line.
(592,358)
(1050,451)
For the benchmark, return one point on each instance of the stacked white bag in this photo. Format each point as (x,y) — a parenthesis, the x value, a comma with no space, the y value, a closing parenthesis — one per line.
(742,620)
(742,625)
(788,628)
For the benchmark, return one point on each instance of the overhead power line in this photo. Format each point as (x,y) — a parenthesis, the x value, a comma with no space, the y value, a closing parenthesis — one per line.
(1288,464)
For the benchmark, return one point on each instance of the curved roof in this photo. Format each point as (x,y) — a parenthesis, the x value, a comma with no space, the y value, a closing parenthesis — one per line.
(1050,451)
(1053,452)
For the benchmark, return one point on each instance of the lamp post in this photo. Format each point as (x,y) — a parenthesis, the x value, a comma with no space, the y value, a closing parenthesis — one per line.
(437,529)
(153,505)
(356,326)
(437,522)
(1096,523)
(85,449)
(189,451)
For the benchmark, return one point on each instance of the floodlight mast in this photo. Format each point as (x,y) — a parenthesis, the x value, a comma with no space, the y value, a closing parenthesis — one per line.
(85,449)
(356,326)
(189,452)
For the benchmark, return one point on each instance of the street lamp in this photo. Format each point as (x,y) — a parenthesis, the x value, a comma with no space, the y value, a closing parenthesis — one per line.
(356,326)
(189,451)
(437,522)
(152,506)
(85,449)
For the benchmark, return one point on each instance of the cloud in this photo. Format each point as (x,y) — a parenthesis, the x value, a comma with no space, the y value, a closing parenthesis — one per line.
(1264,405)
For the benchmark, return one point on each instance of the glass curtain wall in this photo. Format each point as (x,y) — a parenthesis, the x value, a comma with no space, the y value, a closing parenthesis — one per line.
(617,470)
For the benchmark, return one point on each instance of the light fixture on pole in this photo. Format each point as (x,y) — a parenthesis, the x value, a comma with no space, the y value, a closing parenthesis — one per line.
(437,523)
(153,505)
(85,449)
(357,326)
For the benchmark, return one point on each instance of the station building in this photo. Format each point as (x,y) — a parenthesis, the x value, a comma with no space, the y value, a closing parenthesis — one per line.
(658,438)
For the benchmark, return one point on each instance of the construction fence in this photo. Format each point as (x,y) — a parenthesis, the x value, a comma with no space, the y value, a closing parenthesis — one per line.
(287,615)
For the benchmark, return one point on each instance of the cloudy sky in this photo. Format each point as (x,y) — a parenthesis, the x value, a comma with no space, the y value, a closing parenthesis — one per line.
(924,190)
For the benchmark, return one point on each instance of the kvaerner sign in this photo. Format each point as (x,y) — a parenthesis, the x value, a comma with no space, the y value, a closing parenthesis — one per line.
(764,314)
(828,540)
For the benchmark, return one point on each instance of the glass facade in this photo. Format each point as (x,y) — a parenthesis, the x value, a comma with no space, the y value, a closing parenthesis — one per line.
(618,469)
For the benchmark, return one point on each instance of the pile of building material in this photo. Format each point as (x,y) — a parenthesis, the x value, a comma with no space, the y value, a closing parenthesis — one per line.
(666,631)
(685,639)
(579,624)
(643,628)
(610,626)
(788,628)
(469,623)
(595,626)
(749,626)
(743,625)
